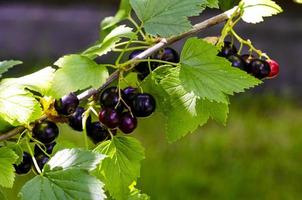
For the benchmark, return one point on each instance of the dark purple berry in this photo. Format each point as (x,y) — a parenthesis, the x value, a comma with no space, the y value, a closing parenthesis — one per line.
(48,148)
(41,160)
(67,104)
(110,99)
(128,123)
(237,62)
(46,132)
(167,54)
(109,117)
(97,132)
(259,68)
(227,50)
(247,58)
(128,94)
(25,165)
(142,67)
(143,105)
(75,120)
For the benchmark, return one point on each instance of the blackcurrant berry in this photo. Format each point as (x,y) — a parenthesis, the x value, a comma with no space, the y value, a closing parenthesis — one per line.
(274,66)
(25,165)
(97,132)
(67,104)
(48,148)
(110,99)
(142,67)
(128,123)
(143,105)
(259,68)
(167,54)
(128,94)
(237,62)
(227,50)
(41,160)
(247,58)
(46,132)
(75,120)
(109,117)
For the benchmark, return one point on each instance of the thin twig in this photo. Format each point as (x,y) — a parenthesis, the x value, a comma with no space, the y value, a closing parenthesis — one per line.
(148,52)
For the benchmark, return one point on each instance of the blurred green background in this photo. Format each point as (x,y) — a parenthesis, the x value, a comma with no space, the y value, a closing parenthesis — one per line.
(258,155)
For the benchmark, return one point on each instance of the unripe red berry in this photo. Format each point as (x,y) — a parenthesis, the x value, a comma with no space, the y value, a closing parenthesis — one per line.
(274,68)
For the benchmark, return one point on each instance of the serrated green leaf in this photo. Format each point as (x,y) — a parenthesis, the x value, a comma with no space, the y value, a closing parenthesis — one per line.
(7,172)
(75,158)
(212,3)
(63,185)
(167,18)
(4,126)
(75,73)
(18,106)
(105,46)
(122,166)
(17,148)
(209,76)
(7,64)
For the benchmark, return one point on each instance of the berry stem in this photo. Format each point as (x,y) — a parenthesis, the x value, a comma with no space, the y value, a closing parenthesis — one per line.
(138,28)
(32,155)
(84,120)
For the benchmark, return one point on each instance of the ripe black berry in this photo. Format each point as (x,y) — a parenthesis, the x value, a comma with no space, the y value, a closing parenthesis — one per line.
(67,104)
(48,149)
(141,67)
(110,99)
(259,68)
(46,132)
(109,117)
(143,105)
(41,160)
(97,132)
(25,166)
(167,54)
(227,50)
(247,58)
(128,123)
(237,62)
(128,94)
(75,120)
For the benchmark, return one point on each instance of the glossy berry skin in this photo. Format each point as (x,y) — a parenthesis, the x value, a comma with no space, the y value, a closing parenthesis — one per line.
(110,99)
(227,50)
(41,160)
(141,67)
(97,132)
(275,68)
(128,123)
(109,117)
(26,164)
(143,105)
(48,149)
(237,62)
(259,68)
(75,120)
(128,94)
(167,54)
(67,104)
(46,132)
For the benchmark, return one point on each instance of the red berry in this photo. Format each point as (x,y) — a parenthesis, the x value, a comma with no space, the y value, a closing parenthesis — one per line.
(274,68)
(128,123)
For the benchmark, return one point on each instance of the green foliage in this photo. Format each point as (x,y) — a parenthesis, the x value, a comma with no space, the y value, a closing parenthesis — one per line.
(170,18)
(66,177)
(227,4)
(75,73)
(7,64)
(109,42)
(2,196)
(122,166)
(7,171)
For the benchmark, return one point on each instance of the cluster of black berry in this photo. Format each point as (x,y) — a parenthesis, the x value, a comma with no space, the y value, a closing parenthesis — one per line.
(46,132)
(167,54)
(257,67)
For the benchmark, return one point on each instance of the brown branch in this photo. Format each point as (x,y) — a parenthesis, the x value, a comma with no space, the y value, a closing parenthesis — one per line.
(114,76)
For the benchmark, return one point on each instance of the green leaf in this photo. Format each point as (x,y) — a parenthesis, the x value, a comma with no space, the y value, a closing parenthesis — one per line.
(7,64)
(135,194)
(209,76)
(227,4)
(256,10)
(2,195)
(122,166)
(167,18)
(63,185)
(75,73)
(212,3)
(75,158)
(18,106)
(7,171)
(105,46)
(4,126)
